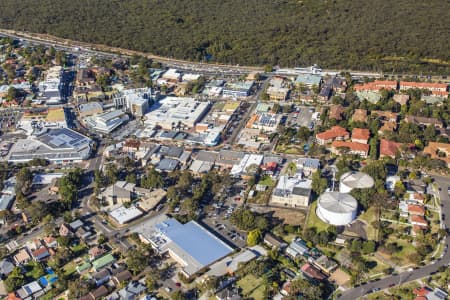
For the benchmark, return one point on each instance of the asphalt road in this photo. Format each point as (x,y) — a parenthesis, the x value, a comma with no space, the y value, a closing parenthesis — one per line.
(355,293)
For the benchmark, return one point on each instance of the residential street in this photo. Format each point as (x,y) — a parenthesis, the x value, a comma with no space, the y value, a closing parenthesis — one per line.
(355,293)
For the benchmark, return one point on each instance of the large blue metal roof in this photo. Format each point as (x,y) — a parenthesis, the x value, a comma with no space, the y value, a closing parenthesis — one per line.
(195,240)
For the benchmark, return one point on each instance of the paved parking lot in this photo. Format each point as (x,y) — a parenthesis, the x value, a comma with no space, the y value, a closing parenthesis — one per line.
(301,117)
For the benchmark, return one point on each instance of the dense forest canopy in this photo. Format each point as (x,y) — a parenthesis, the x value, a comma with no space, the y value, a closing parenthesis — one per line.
(396,36)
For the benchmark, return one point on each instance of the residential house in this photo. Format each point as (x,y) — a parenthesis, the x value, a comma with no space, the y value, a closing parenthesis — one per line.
(22,257)
(51,242)
(40,254)
(423,121)
(418,220)
(360,115)
(389,148)
(121,277)
(132,291)
(274,242)
(325,264)
(336,112)
(6,267)
(360,135)
(31,290)
(98,293)
(334,133)
(439,151)
(101,277)
(352,147)
(401,99)
(307,164)
(103,261)
(312,273)
(65,230)
(297,248)
(228,294)
(96,252)
(416,210)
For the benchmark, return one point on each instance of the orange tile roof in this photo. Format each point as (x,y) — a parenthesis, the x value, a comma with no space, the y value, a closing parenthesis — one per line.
(423,291)
(332,133)
(419,219)
(376,85)
(351,145)
(360,134)
(252,120)
(389,148)
(416,209)
(423,85)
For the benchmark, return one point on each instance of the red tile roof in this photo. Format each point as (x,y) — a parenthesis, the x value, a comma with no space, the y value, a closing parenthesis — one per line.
(312,272)
(423,291)
(360,134)
(419,220)
(389,148)
(416,209)
(423,85)
(351,145)
(332,133)
(376,85)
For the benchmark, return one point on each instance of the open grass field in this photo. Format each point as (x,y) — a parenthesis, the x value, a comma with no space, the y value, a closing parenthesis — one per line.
(252,287)
(368,217)
(313,219)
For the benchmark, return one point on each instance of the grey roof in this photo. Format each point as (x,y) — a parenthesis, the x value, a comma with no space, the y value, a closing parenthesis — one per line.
(132,290)
(338,202)
(76,224)
(167,164)
(6,201)
(6,267)
(312,163)
(301,191)
(207,156)
(357,180)
(172,151)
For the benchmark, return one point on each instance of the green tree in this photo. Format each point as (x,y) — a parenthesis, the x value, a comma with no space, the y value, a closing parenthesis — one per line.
(254,237)
(14,280)
(319,184)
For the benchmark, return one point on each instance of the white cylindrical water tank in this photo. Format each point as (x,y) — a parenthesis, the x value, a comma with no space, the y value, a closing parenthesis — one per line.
(337,208)
(355,180)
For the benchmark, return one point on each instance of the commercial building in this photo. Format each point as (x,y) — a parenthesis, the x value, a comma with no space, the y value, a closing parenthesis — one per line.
(308,80)
(90,108)
(190,244)
(106,122)
(123,215)
(238,89)
(264,121)
(277,93)
(176,113)
(58,145)
(292,191)
(50,88)
(249,164)
(135,101)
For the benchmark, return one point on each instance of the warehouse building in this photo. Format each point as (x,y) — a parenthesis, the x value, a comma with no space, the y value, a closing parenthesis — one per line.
(190,244)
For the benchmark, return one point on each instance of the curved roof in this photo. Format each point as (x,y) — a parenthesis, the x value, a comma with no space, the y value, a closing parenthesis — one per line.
(338,202)
(358,180)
